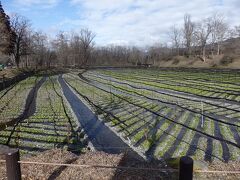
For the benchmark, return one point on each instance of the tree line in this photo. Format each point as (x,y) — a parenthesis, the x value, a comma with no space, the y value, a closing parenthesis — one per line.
(207,34)
(27,47)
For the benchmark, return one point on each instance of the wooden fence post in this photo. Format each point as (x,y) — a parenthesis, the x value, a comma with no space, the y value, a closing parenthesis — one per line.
(186,168)
(12,165)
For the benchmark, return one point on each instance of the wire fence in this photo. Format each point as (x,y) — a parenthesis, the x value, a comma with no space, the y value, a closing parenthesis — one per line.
(120,167)
(217,172)
(35,168)
(93,166)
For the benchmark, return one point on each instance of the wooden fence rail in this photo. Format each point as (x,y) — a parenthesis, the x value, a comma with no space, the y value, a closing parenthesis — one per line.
(13,167)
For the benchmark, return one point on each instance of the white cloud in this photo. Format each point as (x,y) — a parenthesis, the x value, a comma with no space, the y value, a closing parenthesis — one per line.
(37,3)
(142,22)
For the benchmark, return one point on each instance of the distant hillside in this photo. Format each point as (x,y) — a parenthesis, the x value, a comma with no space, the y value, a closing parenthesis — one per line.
(232,47)
(229,58)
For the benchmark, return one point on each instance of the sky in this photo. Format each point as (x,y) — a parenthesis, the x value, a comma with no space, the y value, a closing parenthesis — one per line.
(119,22)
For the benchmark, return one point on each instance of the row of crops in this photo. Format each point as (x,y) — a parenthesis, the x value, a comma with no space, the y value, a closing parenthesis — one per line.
(48,122)
(168,113)
(13,99)
(163,114)
(217,85)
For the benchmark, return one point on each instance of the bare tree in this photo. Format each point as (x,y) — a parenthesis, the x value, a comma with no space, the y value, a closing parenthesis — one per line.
(175,35)
(86,38)
(28,49)
(135,55)
(159,52)
(202,32)
(40,47)
(237,31)
(188,33)
(20,26)
(75,48)
(219,30)
(60,44)
(51,57)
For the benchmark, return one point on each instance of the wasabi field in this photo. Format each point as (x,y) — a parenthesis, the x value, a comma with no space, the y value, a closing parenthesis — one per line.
(157,113)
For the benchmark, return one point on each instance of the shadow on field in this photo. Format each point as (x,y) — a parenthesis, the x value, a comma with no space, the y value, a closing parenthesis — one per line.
(137,169)
(60,169)
(30,108)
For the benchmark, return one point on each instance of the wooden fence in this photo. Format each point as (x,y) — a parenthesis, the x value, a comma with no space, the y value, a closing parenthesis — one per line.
(13,166)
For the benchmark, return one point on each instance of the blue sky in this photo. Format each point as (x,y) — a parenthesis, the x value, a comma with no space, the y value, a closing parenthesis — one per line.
(125,22)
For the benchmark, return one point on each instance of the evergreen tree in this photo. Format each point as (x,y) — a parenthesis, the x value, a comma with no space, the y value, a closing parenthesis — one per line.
(7,35)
